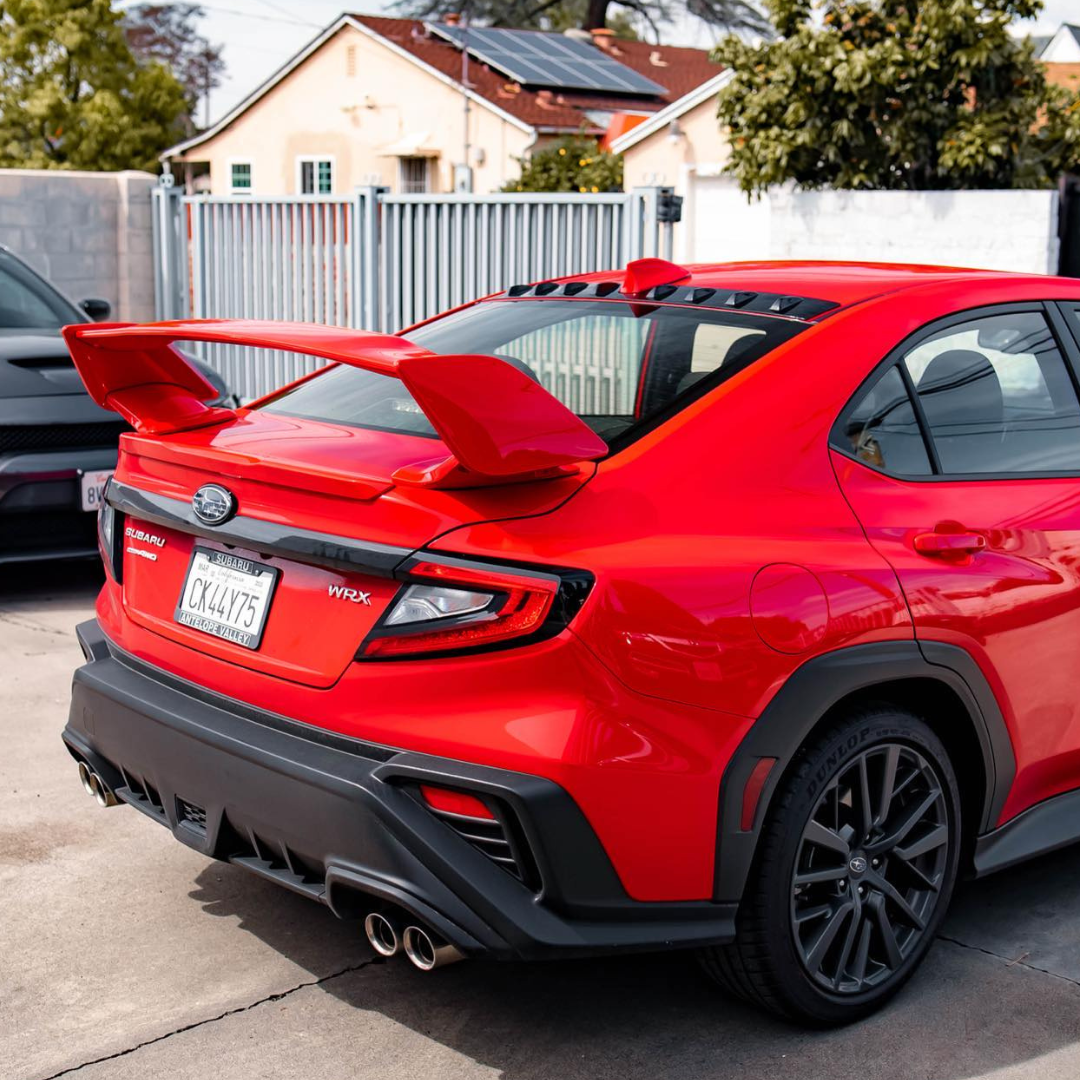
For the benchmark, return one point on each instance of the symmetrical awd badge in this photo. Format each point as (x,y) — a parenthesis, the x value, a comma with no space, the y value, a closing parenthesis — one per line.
(213,504)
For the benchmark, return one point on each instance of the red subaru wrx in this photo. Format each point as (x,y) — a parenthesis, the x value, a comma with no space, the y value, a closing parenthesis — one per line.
(730,607)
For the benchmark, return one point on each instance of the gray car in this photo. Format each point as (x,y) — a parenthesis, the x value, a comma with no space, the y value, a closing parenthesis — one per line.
(57,448)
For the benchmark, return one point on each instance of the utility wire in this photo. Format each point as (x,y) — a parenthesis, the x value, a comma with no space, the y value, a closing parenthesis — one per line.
(261,18)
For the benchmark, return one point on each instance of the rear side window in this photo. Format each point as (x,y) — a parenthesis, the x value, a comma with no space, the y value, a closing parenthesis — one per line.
(882,431)
(998,397)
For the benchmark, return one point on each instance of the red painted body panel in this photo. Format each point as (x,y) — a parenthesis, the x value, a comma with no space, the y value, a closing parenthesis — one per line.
(725,553)
(1015,606)
(312,637)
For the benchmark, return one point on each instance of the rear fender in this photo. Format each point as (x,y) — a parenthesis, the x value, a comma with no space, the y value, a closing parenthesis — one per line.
(788,720)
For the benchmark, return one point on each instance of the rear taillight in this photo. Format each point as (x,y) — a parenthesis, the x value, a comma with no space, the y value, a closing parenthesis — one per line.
(451,606)
(110,538)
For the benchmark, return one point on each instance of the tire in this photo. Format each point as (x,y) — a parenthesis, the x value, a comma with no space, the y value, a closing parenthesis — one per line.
(816,950)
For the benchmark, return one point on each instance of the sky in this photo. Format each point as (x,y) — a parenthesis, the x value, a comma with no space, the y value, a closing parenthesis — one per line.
(261,35)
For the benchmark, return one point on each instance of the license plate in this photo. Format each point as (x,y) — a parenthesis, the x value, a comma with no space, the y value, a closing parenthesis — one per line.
(93,488)
(227,596)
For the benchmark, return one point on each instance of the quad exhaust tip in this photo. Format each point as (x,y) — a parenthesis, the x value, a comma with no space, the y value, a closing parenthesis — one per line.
(95,787)
(426,952)
(382,934)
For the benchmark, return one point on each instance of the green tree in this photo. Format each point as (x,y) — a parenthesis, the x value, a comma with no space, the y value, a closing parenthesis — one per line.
(170,34)
(884,94)
(73,96)
(573,163)
(617,15)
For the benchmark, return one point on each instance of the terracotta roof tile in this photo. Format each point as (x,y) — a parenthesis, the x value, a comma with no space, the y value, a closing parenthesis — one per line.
(677,69)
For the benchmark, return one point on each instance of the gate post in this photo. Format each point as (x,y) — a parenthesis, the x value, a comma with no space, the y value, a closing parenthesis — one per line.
(654,212)
(169,250)
(366,307)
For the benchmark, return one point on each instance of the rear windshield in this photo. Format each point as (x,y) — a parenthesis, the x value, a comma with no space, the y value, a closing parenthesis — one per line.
(621,367)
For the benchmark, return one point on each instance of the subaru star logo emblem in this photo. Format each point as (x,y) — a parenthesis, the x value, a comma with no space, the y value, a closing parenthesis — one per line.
(213,504)
(857,865)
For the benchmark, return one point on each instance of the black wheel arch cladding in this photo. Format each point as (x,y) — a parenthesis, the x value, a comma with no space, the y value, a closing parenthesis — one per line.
(819,686)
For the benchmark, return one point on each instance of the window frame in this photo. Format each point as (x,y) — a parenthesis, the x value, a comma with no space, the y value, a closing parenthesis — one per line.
(1066,338)
(427,188)
(314,160)
(233,190)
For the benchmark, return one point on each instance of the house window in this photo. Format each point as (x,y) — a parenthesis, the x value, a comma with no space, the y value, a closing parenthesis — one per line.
(316,175)
(240,177)
(414,175)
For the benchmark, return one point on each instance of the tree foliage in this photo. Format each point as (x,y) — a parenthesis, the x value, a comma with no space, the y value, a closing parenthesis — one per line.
(73,96)
(169,33)
(887,94)
(618,15)
(572,163)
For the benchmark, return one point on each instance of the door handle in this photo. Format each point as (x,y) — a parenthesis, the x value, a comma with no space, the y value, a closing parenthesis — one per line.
(942,543)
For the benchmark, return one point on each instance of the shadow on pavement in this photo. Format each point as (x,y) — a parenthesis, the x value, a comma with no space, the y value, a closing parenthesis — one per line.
(61,580)
(965,1014)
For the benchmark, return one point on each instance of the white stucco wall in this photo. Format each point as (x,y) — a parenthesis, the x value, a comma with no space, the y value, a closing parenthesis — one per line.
(349,101)
(994,230)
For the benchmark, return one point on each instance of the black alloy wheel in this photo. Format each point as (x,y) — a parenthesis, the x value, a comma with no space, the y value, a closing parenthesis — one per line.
(870,868)
(855,867)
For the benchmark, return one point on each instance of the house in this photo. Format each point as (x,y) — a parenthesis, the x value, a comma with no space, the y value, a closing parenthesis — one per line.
(421,107)
(1063,47)
(677,139)
(1060,53)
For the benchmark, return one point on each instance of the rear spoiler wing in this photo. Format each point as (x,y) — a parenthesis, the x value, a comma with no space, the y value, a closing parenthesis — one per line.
(498,424)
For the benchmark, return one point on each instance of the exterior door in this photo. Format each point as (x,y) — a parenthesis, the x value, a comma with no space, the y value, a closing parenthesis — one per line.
(961,460)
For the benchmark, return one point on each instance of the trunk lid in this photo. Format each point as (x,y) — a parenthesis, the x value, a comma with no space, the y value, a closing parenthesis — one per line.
(322,512)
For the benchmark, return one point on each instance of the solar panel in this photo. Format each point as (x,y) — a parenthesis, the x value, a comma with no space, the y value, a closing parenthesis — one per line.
(536,58)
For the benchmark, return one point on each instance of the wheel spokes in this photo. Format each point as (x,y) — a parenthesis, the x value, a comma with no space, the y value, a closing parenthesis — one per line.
(933,839)
(827,935)
(888,784)
(890,892)
(817,877)
(886,931)
(866,814)
(912,816)
(854,927)
(869,869)
(816,833)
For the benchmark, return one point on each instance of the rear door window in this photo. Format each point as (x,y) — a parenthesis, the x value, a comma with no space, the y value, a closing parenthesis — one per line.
(997,397)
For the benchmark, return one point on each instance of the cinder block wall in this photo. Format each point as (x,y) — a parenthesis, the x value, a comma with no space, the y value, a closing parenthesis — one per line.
(88,233)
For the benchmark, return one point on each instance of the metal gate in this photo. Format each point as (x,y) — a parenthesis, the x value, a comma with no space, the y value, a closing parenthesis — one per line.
(378,261)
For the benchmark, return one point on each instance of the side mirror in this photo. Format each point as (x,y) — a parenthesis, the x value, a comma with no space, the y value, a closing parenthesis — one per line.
(98,310)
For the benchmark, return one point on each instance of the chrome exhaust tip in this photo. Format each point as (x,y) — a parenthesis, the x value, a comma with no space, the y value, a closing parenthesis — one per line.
(85,778)
(426,952)
(382,934)
(93,785)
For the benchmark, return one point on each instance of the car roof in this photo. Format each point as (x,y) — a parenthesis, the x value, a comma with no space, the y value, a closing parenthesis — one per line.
(841,283)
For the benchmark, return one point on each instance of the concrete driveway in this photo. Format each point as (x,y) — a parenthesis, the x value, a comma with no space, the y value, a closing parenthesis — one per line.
(124,954)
